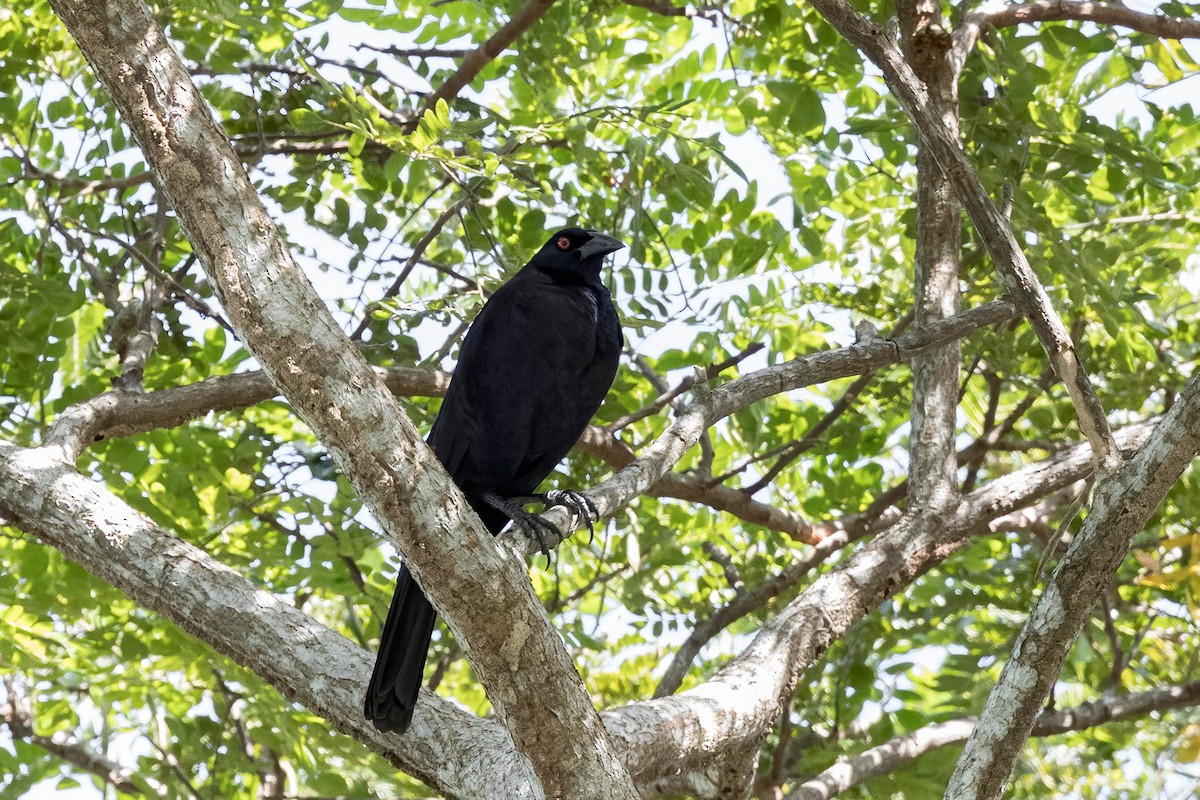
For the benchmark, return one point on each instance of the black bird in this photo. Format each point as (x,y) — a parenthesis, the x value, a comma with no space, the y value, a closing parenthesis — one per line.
(533,368)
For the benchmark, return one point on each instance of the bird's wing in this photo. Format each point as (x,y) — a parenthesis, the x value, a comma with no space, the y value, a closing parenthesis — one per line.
(525,386)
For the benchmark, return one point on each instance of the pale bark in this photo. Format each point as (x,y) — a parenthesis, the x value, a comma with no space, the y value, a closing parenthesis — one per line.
(480,587)
(1123,502)
(323,670)
(932,465)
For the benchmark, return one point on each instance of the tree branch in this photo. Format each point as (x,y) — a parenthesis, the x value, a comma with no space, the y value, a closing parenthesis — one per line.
(1124,501)
(305,661)
(710,12)
(885,758)
(932,467)
(749,601)
(976,22)
(1018,277)
(708,407)
(483,55)
(743,699)
(482,591)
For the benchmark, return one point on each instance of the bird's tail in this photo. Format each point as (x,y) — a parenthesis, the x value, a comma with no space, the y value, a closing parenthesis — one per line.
(403,645)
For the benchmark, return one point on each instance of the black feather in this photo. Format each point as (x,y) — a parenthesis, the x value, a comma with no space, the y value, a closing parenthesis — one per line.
(533,368)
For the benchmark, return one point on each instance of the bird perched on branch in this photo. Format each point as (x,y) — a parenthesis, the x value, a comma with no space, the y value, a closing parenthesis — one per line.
(534,367)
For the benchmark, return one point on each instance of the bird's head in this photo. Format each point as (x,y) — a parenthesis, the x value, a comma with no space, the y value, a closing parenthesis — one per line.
(576,254)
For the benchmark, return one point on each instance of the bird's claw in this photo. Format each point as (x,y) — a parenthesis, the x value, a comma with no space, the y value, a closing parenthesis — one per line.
(580,506)
(534,527)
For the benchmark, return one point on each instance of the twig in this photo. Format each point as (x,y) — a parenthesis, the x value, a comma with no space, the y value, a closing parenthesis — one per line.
(710,12)
(732,576)
(669,395)
(17,714)
(416,52)
(418,251)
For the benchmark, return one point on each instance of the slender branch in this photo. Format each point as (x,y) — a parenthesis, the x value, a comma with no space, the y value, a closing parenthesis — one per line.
(790,452)
(17,715)
(416,52)
(72,184)
(976,22)
(886,758)
(747,602)
(483,55)
(711,12)
(995,389)
(668,396)
(852,771)
(1010,261)
(732,576)
(418,251)
(1136,219)
(708,407)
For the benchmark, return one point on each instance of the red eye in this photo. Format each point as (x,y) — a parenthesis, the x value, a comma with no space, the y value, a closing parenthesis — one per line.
(563,243)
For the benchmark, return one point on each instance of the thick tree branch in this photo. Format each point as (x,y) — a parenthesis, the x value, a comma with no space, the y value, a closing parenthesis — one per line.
(743,699)
(115,414)
(932,467)
(1124,501)
(304,660)
(1017,275)
(481,589)
(890,756)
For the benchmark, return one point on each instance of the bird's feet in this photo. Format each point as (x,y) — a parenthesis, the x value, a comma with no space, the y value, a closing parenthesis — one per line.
(533,526)
(582,509)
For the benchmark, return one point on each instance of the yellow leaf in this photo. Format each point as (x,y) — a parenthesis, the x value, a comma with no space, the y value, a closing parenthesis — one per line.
(1189,744)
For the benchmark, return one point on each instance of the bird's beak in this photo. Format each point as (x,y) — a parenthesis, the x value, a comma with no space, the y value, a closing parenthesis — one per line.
(599,245)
